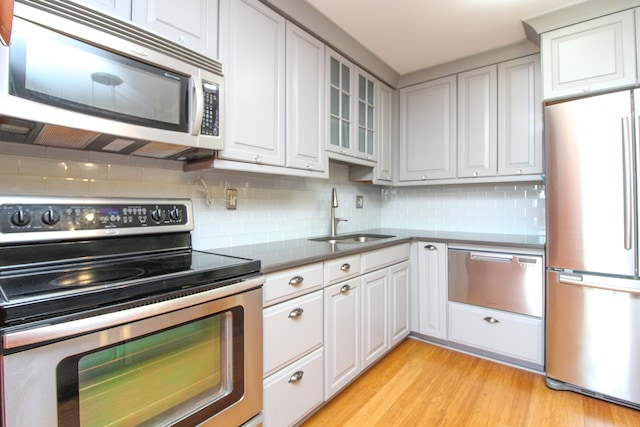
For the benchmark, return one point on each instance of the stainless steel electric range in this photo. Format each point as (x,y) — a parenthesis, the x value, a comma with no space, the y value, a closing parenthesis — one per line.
(108,316)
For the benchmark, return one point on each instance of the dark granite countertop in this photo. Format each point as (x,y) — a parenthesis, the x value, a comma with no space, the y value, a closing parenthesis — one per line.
(284,254)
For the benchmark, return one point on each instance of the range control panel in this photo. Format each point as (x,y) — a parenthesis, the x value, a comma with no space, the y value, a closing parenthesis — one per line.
(91,217)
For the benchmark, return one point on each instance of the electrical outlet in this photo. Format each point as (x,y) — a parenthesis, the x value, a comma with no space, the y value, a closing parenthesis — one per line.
(359,202)
(232,198)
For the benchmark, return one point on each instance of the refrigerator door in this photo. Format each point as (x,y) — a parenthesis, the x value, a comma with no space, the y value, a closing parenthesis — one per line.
(593,335)
(590,185)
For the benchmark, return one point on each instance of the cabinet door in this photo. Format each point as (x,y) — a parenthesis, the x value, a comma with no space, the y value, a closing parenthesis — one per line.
(399,284)
(385,142)
(375,315)
(590,56)
(428,130)
(305,100)
(477,122)
(341,96)
(194,24)
(520,117)
(431,290)
(342,335)
(366,126)
(121,8)
(253,50)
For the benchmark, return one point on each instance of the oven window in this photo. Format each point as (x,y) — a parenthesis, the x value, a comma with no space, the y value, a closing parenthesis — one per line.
(194,369)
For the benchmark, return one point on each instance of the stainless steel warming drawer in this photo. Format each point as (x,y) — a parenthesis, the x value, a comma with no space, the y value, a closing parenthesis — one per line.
(498,280)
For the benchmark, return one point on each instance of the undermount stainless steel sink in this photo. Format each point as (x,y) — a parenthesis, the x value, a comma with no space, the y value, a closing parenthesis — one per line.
(353,238)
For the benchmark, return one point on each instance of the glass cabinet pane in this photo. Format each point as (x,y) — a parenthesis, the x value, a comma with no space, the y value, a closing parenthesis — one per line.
(335,102)
(346,140)
(335,72)
(346,113)
(335,131)
(346,79)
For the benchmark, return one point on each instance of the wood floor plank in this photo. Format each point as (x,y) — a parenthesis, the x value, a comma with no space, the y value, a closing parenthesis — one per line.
(420,384)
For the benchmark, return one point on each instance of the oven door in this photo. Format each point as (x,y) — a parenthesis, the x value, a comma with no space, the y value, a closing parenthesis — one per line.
(192,360)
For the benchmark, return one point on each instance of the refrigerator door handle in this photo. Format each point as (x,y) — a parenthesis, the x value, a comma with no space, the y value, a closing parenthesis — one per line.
(577,282)
(627,158)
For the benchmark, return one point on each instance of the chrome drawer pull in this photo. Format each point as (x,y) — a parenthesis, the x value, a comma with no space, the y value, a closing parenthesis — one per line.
(296,377)
(296,280)
(345,288)
(431,247)
(296,313)
(491,320)
(345,266)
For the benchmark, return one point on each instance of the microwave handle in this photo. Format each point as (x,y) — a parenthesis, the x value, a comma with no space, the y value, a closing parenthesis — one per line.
(197,105)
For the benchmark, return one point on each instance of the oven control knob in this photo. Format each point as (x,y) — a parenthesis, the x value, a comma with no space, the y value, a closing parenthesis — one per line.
(50,217)
(175,214)
(20,218)
(157,215)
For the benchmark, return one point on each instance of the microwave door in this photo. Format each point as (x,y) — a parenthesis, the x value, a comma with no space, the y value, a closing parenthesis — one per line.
(590,189)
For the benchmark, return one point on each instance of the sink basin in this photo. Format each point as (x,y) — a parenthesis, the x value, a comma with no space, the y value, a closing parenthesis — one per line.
(353,238)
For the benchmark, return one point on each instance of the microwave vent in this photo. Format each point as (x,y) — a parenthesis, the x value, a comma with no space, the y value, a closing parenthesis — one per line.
(63,137)
(158,150)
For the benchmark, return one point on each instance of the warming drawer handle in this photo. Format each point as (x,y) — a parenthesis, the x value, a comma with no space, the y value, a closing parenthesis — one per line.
(567,281)
(345,267)
(483,256)
(345,288)
(296,313)
(491,320)
(431,248)
(297,376)
(296,280)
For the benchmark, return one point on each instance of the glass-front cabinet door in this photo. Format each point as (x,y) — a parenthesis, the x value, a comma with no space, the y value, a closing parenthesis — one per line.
(366,127)
(341,78)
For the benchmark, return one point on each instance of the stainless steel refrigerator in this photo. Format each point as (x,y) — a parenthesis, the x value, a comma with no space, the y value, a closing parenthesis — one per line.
(593,288)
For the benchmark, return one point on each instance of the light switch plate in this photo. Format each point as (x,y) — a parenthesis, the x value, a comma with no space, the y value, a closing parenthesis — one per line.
(359,202)
(231,198)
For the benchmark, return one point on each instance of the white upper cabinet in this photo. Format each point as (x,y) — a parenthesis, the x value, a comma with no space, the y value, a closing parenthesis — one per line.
(194,23)
(341,96)
(591,56)
(352,105)
(477,122)
(121,8)
(520,124)
(385,141)
(428,131)
(366,126)
(253,51)
(305,100)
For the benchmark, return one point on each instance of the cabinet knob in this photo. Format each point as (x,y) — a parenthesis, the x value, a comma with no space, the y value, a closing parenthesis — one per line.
(258,158)
(586,88)
(431,248)
(475,174)
(296,377)
(423,177)
(296,313)
(296,280)
(491,320)
(308,166)
(345,267)
(345,288)
(519,172)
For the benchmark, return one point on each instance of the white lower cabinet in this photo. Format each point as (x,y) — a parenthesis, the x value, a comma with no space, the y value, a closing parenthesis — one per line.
(365,316)
(291,393)
(429,291)
(513,335)
(342,313)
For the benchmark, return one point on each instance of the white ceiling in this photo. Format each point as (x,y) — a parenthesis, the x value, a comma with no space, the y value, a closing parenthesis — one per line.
(411,35)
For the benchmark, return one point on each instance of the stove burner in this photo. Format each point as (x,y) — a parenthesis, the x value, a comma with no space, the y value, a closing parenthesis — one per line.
(97,276)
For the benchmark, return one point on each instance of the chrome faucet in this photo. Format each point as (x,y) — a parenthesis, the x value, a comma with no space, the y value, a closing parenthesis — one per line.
(334,220)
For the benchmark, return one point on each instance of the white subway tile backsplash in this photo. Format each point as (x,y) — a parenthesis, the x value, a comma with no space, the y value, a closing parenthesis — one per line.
(273,207)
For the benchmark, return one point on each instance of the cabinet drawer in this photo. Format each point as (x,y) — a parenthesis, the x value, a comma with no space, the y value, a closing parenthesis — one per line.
(379,258)
(291,329)
(509,334)
(343,268)
(294,391)
(286,284)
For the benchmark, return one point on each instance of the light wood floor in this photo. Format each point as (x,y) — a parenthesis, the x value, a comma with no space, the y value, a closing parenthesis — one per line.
(419,384)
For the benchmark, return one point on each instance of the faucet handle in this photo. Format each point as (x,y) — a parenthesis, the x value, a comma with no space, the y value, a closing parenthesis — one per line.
(341,219)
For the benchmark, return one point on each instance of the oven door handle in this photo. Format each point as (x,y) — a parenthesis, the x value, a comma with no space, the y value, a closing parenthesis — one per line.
(54,332)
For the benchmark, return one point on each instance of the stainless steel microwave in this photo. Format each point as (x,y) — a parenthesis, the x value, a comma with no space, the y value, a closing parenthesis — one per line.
(74,77)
